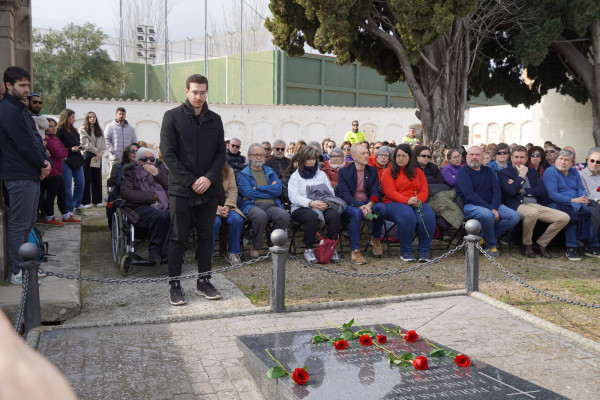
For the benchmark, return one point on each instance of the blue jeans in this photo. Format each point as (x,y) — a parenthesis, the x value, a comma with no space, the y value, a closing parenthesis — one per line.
(236,224)
(407,219)
(73,198)
(571,236)
(490,229)
(355,218)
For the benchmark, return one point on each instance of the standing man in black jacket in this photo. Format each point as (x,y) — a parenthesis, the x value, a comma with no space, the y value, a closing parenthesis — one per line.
(193,146)
(23,164)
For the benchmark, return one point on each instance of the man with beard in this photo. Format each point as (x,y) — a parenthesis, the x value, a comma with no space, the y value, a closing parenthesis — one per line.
(34,106)
(259,189)
(481,194)
(23,164)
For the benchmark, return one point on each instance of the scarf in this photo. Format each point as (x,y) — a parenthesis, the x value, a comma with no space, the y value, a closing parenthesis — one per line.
(147,182)
(338,166)
(308,172)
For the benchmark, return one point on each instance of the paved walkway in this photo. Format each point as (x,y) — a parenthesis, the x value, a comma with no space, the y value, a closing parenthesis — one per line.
(200,360)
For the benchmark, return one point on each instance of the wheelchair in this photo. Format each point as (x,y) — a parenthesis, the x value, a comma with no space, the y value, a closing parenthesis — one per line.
(125,237)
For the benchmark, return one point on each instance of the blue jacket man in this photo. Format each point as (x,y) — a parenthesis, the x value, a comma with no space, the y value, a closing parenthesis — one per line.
(524,192)
(259,191)
(23,163)
(358,184)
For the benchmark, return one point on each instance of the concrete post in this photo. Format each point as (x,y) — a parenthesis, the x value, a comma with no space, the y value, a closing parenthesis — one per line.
(473,228)
(279,253)
(33,316)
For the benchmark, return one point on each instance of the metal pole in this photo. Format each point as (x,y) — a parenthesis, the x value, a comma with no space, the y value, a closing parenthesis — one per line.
(279,254)
(121,30)
(33,316)
(166,55)
(473,228)
(242,100)
(205,39)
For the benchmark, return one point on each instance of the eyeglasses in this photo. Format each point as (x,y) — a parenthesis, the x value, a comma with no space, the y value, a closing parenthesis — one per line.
(354,124)
(502,153)
(383,156)
(425,155)
(257,155)
(377,148)
(592,161)
(330,147)
(235,146)
(146,159)
(279,148)
(267,148)
(536,155)
(550,151)
(36,101)
(132,151)
(336,156)
(347,148)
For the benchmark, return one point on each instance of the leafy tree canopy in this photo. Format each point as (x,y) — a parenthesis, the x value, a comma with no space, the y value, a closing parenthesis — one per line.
(73,63)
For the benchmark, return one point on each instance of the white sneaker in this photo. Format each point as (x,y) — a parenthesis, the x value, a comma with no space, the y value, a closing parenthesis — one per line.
(98,205)
(16,279)
(233,259)
(309,255)
(83,207)
(335,258)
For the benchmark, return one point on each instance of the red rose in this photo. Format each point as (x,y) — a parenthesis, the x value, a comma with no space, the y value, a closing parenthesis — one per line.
(598,190)
(300,376)
(341,344)
(381,339)
(462,361)
(366,340)
(109,205)
(375,200)
(411,336)
(420,363)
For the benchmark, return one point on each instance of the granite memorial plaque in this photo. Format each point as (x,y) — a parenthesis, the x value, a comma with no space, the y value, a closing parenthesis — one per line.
(363,372)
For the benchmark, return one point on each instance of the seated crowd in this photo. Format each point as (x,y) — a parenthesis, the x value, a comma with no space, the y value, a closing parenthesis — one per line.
(508,189)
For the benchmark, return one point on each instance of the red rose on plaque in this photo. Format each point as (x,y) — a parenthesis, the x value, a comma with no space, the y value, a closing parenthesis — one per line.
(420,363)
(411,336)
(462,361)
(341,344)
(598,190)
(374,199)
(366,340)
(381,339)
(300,376)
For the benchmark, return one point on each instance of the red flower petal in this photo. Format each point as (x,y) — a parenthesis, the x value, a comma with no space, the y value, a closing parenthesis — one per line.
(411,336)
(341,344)
(381,339)
(366,340)
(300,376)
(421,363)
(374,199)
(462,361)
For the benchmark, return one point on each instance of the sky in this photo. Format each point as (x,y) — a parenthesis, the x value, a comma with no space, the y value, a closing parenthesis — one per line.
(186,18)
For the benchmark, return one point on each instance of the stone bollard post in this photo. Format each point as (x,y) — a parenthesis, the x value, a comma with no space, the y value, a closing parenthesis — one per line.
(473,228)
(33,316)
(279,253)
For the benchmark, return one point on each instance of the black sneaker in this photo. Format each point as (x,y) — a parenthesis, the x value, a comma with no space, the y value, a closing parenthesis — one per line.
(573,254)
(176,294)
(206,289)
(594,252)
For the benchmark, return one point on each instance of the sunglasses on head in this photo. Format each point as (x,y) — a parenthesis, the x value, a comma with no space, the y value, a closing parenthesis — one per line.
(279,148)
(235,146)
(501,153)
(146,159)
(592,161)
(536,155)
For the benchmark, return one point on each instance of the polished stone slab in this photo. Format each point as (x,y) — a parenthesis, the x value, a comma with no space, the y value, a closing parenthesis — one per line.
(363,372)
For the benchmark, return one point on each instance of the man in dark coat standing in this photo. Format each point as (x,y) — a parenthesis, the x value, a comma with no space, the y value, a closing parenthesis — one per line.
(192,143)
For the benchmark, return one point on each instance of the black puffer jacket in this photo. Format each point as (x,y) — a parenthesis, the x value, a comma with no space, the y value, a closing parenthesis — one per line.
(192,146)
(236,161)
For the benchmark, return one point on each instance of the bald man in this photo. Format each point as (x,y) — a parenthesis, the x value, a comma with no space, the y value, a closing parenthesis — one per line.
(481,194)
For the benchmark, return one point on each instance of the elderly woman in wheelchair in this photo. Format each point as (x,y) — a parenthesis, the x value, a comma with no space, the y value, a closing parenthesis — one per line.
(144,189)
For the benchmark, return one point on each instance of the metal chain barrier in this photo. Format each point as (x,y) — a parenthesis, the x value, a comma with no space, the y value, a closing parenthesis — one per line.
(533,288)
(305,263)
(162,279)
(22,303)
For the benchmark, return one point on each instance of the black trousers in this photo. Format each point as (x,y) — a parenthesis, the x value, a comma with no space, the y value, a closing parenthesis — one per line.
(54,188)
(310,221)
(159,228)
(93,184)
(182,217)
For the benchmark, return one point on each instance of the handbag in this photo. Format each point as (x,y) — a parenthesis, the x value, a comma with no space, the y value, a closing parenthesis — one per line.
(324,251)
(75,160)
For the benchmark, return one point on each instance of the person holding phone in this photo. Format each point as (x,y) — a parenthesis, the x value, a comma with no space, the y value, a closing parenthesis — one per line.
(73,164)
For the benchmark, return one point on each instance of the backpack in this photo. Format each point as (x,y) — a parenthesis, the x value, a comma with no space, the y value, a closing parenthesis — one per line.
(35,237)
(324,251)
